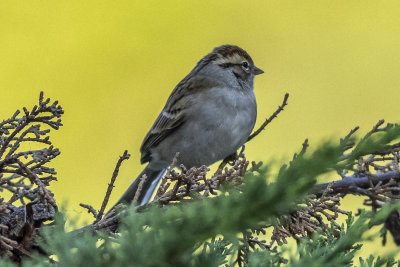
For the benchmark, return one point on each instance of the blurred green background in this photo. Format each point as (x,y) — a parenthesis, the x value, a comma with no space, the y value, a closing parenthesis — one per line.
(112,65)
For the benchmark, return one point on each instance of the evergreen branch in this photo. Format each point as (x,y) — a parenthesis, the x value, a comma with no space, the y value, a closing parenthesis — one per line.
(352,184)
(25,175)
(172,230)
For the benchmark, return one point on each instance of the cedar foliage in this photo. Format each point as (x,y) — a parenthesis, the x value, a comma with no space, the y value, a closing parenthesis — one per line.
(242,215)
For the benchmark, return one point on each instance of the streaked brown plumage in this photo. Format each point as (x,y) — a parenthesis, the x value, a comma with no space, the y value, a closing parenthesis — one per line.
(207,117)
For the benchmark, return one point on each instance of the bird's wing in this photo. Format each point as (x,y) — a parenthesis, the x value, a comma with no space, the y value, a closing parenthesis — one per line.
(171,118)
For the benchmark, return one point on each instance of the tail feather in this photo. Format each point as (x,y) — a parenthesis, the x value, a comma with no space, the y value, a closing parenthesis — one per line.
(148,189)
(152,188)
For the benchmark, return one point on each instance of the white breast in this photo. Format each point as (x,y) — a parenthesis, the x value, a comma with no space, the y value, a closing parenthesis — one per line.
(229,117)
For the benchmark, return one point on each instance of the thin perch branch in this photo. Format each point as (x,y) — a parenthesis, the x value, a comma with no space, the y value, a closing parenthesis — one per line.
(268,121)
(89,208)
(139,189)
(125,156)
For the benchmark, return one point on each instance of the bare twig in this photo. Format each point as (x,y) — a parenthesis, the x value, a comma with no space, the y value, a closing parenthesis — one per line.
(110,187)
(90,209)
(268,121)
(139,189)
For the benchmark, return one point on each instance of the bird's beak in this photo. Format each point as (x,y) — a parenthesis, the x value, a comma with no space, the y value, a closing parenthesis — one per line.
(257,71)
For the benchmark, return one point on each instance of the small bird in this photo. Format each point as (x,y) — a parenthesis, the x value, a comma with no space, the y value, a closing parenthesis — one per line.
(207,117)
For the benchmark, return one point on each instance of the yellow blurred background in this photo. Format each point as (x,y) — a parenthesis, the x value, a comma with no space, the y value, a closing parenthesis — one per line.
(112,65)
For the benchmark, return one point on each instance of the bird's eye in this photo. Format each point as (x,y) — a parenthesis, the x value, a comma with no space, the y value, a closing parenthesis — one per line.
(245,65)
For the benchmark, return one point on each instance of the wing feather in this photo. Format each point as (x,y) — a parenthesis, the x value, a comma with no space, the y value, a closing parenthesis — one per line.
(170,119)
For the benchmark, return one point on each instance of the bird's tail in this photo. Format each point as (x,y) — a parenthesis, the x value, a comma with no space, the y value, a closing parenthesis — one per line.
(148,189)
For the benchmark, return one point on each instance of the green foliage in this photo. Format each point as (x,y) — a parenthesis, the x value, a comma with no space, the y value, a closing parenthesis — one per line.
(206,232)
(214,253)
(331,251)
(378,261)
(264,258)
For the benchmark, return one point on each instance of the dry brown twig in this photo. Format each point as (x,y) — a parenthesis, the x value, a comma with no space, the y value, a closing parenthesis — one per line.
(25,175)
(139,190)
(90,209)
(110,187)
(110,220)
(193,183)
(181,186)
(268,121)
(312,218)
